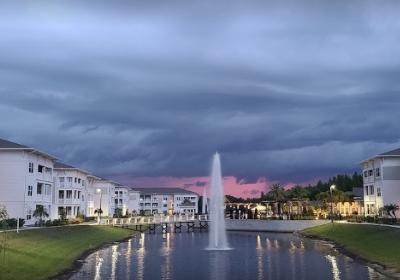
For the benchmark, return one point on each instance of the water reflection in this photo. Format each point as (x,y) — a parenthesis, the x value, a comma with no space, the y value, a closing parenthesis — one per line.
(141,253)
(255,256)
(166,253)
(335,269)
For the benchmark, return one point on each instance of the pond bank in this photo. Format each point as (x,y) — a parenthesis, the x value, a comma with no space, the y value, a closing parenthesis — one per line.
(284,226)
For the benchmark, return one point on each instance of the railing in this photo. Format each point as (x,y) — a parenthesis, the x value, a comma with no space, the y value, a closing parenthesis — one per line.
(159,219)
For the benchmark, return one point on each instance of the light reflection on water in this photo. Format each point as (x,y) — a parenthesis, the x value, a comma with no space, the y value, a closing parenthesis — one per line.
(254,256)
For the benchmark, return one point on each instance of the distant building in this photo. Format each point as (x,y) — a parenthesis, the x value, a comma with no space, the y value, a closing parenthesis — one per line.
(26,180)
(381,181)
(167,201)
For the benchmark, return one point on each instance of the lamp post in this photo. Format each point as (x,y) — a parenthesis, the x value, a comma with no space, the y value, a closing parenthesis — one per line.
(331,188)
(100,211)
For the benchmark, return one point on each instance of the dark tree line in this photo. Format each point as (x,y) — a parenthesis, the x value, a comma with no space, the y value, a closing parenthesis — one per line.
(344,183)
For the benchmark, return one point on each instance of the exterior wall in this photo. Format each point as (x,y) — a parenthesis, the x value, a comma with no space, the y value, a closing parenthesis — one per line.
(180,198)
(104,190)
(381,182)
(154,203)
(70,192)
(133,202)
(121,199)
(26,180)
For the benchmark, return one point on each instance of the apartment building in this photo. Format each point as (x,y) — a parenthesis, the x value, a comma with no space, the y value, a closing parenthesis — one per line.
(381,181)
(104,196)
(167,201)
(74,191)
(26,180)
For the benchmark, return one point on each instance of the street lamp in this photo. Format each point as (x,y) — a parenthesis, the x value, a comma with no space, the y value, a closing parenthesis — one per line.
(100,211)
(331,188)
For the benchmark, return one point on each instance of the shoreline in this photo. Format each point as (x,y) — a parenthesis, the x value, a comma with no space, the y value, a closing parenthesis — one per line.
(78,262)
(381,268)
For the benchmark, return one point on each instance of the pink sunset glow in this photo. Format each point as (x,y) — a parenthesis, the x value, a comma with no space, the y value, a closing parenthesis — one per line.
(232,186)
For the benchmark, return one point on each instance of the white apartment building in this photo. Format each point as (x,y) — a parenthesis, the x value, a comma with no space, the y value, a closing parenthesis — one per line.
(133,201)
(26,180)
(74,191)
(167,201)
(381,181)
(121,200)
(104,196)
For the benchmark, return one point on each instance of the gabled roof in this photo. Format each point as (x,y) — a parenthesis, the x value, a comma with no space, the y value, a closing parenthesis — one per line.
(60,165)
(4,144)
(8,145)
(393,153)
(162,191)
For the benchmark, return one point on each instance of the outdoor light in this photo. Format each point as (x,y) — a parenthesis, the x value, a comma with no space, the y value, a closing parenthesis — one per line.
(331,188)
(100,211)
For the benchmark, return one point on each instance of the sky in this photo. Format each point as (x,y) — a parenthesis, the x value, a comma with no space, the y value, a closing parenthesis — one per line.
(288,92)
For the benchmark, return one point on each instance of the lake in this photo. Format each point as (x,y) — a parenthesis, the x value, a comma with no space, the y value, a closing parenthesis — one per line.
(252,256)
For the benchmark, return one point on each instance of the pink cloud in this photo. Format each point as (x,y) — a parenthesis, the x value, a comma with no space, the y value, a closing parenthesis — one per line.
(232,185)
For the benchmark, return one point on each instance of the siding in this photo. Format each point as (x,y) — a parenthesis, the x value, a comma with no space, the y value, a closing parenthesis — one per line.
(391,173)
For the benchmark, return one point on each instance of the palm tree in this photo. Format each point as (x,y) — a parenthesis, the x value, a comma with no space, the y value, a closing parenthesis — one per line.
(98,211)
(391,209)
(40,212)
(278,194)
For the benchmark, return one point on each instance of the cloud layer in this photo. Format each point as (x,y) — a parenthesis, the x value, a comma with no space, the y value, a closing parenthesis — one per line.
(287,91)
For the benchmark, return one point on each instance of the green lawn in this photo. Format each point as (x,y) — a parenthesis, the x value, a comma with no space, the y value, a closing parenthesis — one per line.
(41,253)
(377,244)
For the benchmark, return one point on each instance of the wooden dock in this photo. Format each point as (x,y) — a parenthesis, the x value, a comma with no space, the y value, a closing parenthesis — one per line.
(142,223)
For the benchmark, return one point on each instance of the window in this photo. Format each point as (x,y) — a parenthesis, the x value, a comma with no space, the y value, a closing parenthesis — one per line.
(371,190)
(39,188)
(165,205)
(365,173)
(47,189)
(62,180)
(30,190)
(366,190)
(378,172)
(40,168)
(370,172)
(31,167)
(83,197)
(29,214)
(378,191)
(69,194)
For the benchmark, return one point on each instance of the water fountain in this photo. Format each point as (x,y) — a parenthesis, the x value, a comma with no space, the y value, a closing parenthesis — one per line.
(217,230)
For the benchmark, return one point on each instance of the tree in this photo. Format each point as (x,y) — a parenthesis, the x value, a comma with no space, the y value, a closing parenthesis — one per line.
(278,194)
(98,211)
(391,209)
(40,212)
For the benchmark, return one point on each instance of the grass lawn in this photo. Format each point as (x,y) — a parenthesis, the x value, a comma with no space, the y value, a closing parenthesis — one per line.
(377,244)
(42,253)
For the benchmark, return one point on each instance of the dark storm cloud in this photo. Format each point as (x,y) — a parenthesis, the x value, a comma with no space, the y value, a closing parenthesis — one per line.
(290,91)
